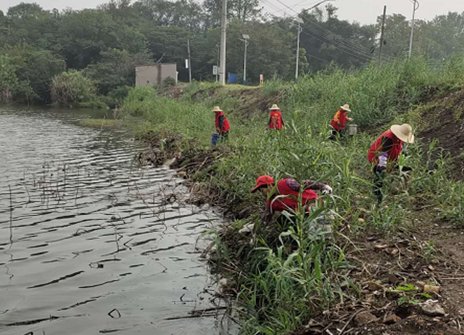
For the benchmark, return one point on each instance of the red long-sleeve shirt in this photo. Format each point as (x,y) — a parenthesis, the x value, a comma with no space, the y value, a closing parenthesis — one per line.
(339,120)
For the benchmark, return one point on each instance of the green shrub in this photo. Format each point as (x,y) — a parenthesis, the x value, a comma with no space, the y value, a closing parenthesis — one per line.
(72,88)
(168,82)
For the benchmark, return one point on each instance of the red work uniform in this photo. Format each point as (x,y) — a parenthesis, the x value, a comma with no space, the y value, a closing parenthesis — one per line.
(386,143)
(339,120)
(288,195)
(222,123)
(275,120)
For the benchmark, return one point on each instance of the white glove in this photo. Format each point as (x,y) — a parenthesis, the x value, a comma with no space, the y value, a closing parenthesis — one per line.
(383,159)
(326,190)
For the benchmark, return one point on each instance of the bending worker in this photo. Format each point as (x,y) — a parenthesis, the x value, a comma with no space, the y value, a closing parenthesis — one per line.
(222,124)
(285,193)
(384,152)
(275,118)
(338,122)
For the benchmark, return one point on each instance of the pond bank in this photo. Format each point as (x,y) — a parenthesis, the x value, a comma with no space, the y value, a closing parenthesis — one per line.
(308,288)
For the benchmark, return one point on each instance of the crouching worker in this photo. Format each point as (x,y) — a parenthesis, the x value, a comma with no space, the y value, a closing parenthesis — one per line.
(338,122)
(384,152)
(285,193)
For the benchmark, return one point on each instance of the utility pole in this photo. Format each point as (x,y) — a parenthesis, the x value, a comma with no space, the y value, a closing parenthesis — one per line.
(415,7)
(189,61)
(299,21)
(245,39)
(381,32)
(222,69)
(218,48)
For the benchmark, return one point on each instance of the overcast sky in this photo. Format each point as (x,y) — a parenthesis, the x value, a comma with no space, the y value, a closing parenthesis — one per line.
(363,11)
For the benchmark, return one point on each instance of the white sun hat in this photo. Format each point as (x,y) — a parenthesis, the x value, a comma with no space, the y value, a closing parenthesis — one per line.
(346,107)
(403,132)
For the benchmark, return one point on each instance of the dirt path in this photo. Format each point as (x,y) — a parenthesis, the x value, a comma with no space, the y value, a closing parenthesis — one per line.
(393,274)
(450,242)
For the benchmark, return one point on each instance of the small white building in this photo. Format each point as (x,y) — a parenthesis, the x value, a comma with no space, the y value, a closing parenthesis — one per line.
(154,75)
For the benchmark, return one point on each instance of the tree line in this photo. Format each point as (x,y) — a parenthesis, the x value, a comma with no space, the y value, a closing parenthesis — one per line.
(43,52)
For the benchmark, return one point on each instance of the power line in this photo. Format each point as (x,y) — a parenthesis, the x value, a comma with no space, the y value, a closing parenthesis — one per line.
(329,36)
(277,10)
(280,10)
(338,43)
(341,48)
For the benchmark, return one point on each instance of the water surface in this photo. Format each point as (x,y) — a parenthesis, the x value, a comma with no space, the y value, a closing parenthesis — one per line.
(94,243)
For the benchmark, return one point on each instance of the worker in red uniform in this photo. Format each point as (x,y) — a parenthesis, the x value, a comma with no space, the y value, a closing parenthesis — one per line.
(275,118)
(338,122)
(222,124)
(286,192)
(384,152)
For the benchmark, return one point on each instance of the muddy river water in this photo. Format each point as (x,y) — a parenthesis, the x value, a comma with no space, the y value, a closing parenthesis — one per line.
(92,243)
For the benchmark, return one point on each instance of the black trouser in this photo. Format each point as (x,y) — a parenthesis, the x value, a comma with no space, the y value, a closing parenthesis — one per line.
(378,181)
(336,134)
(378,184)
(223,137)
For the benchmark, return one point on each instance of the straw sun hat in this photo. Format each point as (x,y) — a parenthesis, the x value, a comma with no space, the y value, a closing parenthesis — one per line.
(274,107)
(403,132)
(217,109)
(346,107)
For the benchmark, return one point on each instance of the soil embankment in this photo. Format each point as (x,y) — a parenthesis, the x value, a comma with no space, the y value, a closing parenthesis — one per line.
(444,122)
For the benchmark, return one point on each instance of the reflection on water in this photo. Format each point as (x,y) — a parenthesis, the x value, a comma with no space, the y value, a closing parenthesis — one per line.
(91,243)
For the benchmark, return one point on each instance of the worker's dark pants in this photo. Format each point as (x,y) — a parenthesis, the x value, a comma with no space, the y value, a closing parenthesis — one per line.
(336,134)
(223,137)
(379,178)
(378,184)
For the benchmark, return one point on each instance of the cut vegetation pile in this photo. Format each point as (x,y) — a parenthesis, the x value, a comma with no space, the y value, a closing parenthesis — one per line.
(372,269)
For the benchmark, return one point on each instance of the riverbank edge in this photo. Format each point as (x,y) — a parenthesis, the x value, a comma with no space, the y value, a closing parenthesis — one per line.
(195,162)
(189,159)
(384,247)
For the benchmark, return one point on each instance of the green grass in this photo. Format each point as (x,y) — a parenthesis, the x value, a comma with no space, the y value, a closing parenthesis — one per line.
(101,123)
(280,289)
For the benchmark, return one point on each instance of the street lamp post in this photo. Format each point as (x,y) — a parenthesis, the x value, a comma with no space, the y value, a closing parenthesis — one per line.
(245,40)
(299,21)
(415,7)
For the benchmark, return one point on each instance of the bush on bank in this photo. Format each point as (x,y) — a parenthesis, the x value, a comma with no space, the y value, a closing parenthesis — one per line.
(72,88)
(279,289)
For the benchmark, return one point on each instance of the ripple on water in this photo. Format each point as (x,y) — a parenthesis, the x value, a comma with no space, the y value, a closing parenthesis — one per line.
(92,233)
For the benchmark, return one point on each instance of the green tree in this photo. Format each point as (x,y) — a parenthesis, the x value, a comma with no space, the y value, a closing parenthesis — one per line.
(328,40)
(26,11)
(182,13)
(35,70)
(396,36)
(116,68)
(270,51)
(85,34)
(8,79)
(242,10)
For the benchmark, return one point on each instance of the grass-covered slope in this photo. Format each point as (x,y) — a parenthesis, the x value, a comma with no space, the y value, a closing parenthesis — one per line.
(286,275)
